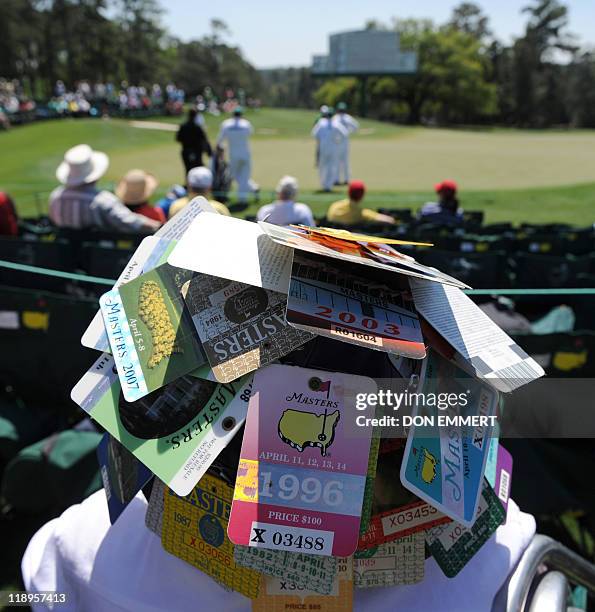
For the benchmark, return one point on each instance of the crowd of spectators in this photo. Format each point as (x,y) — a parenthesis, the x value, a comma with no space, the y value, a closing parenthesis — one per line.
(13,102)
(86,98)
(99,99)
(79,204)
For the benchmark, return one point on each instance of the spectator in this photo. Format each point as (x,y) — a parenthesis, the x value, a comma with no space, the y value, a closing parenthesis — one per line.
(198,183)
(194,142)
(78,204)
(285,210)
(135,189)
(221,175)
(175,193)
(350,211)
(9,221)
(446,211)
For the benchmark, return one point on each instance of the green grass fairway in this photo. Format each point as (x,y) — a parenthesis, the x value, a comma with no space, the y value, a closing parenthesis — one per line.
(512,175)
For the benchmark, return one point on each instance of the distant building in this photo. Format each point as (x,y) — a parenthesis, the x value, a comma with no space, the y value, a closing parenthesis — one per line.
(364,52)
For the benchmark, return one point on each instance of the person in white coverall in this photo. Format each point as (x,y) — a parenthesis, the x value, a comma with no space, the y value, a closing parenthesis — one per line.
(351,125)
(330,137)
(237,131)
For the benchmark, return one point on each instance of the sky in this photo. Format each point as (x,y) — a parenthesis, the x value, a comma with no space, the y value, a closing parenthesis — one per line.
(287,33)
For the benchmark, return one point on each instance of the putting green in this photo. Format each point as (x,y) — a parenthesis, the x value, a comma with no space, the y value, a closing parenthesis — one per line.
(496,169)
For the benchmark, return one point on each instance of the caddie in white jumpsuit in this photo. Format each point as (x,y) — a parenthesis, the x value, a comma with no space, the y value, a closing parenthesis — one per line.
(330,137)
(237,131)
(344,119)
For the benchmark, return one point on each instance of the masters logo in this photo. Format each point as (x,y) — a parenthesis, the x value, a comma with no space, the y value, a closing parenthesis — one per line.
(211,530)
(426,465)
(300,429)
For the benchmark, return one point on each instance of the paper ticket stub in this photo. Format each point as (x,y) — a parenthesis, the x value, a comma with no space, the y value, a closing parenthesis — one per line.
(313,572)
(194,529)
(154,514)
(152,251)
(303,464)
(454,545)
(176,431)
(332,301)
(369,489)
(444,461)
(480,345)
(241,327)
(280,595)
(408,519)
(123,475)
(151,334)
(381,257)
(396,511)
(212,243)
(500,481)
(176,227)
(398,562)
(492,461)
(94,336)
(343,234)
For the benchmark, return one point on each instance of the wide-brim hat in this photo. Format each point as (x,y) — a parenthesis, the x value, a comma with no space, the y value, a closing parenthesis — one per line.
(136,187)
(81,165)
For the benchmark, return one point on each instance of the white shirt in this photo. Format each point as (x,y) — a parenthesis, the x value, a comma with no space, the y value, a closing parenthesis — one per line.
(237,132)
(328,134)
(104,568)
(286,212)
(347,121)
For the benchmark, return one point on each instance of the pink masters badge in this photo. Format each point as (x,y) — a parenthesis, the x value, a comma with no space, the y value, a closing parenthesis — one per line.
(303,465)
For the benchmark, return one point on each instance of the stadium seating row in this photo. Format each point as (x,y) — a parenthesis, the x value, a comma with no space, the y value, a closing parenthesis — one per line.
(40,334)
(481,269)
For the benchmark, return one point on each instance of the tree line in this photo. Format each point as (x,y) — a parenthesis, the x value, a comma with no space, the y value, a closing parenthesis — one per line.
(42,41)
(466,75)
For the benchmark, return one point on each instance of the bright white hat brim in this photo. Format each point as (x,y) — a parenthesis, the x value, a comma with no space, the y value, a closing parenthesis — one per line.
(98,167)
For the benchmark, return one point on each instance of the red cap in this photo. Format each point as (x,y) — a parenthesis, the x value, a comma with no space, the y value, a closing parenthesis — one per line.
(357,190)
(446,185)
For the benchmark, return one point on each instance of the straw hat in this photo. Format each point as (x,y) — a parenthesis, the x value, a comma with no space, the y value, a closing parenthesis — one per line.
(136,187)
(82,165)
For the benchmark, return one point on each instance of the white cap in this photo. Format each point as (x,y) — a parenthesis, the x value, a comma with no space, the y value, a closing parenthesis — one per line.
(199,178)
(324,109)
(287,186)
